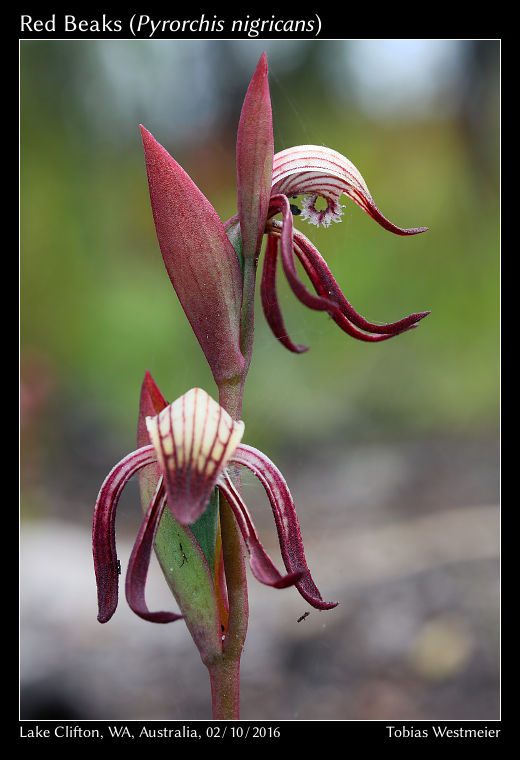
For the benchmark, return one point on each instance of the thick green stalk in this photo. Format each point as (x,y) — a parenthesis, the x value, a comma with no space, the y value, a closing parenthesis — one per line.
(225,692)
(225,670)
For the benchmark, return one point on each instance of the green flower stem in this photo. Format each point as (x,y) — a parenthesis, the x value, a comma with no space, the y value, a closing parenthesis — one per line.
(224,671)
(235,567)
(225,679)
(230,395)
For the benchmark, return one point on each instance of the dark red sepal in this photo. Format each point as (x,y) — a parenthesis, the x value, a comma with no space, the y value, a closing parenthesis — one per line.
(289,535)
(269,295)
(319,302)
(261,564)
(326,286)
(103,530)
(140,561)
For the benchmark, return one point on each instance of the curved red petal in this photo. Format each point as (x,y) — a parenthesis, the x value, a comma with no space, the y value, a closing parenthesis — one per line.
(269,297)
(140,561)
(368,205)
(279,203)
(289,535)
(103,529)
(325,285)
(261,564)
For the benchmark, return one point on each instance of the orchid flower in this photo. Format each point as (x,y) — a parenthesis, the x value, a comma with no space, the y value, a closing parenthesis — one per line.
(194,441)
(189,453)
(313,172)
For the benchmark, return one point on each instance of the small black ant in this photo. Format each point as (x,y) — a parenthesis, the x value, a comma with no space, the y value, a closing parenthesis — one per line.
(305,615)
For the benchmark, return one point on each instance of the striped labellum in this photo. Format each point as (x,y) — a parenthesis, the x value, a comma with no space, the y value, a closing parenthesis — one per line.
(194,438)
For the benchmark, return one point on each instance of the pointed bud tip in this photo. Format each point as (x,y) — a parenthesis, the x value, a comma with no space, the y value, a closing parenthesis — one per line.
(148,379)
(149,140)
(262,63)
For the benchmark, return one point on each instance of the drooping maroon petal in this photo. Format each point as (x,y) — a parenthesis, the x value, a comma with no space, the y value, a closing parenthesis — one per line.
(289,535)
(255,160)
(323,279)
(325,285)
(103,530)
(320,171)
(140,561)
(269,297)
(279,203)
(199,258)
(194,438)
(261,564)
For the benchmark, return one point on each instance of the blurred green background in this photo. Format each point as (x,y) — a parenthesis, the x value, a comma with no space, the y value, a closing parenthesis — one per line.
(420,120)
(99,309)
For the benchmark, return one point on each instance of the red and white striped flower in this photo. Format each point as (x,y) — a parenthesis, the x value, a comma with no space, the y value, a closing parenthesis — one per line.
(314,172)
(192,441)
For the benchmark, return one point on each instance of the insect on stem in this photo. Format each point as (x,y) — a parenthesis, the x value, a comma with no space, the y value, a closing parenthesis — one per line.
(184,557)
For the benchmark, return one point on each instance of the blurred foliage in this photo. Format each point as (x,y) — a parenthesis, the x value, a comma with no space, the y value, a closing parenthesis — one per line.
(97,305)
